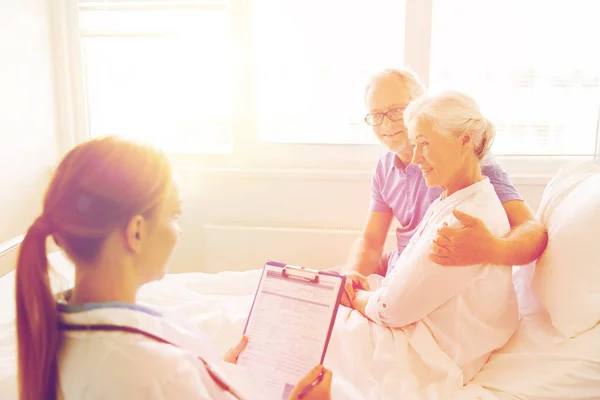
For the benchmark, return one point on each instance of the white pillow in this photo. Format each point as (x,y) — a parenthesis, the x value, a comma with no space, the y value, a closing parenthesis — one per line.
(522,277)
(567,276)
(563,183)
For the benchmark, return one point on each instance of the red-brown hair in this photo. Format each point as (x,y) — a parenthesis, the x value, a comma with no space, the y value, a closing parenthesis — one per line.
(97,188)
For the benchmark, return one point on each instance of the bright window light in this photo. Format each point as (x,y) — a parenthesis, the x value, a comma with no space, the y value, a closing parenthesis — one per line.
(160,75)
(533,66)
(268,77)
(313,61)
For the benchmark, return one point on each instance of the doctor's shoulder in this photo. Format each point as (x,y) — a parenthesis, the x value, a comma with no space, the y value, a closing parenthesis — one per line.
(129,369)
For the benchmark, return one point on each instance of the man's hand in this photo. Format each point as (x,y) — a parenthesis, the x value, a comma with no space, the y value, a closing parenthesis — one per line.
(354,281)
(470,245)
(232,354)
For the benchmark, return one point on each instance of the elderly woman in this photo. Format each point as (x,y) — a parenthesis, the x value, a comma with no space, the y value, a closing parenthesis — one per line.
(469,311)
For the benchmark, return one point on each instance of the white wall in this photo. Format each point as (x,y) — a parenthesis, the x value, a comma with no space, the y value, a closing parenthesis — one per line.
(27,112)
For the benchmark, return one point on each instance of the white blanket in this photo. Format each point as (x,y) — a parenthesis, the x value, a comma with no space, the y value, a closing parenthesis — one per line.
(375,369)
(368,361)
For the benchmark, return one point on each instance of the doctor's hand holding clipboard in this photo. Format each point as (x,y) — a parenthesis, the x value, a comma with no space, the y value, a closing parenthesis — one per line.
(316,385)
(288,332)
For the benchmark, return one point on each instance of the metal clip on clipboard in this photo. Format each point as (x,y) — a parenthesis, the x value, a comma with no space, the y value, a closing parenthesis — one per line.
(300,273)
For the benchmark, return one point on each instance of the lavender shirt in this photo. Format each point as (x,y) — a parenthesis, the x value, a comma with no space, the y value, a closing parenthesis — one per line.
(405,194)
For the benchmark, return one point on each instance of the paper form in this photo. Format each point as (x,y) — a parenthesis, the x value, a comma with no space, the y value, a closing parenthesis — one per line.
(287,330)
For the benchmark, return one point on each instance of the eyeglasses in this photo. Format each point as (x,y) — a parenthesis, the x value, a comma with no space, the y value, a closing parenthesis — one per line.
(395,114)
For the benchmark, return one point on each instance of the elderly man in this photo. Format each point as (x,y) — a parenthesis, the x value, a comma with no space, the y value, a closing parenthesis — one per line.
(398,190)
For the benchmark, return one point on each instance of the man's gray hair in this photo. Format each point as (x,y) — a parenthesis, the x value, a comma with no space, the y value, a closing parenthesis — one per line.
(414,86)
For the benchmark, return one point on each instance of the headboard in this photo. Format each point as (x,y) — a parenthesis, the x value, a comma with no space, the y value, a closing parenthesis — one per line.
(8,254)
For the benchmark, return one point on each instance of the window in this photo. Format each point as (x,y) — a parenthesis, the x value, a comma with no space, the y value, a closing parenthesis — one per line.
(532,65)
(313,60)
(200,76)
(159,73)
(282,81)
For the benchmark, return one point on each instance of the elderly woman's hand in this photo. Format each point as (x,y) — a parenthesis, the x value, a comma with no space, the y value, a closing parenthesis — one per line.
(354,281)
(359,303)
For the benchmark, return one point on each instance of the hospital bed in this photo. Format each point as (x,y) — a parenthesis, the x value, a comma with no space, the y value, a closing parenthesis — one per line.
(555,353)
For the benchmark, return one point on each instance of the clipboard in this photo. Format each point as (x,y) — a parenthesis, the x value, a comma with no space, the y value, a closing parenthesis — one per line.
(289,326)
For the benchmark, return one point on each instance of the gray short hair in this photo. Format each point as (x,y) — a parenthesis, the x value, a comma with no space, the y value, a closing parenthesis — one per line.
(414,86)
(454,113)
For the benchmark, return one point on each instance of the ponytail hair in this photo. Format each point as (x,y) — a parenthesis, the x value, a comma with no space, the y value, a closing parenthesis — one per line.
(36,318)
(96,189)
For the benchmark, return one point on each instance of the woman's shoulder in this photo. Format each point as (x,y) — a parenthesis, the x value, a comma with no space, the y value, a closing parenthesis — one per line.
(484,204)
(126,367)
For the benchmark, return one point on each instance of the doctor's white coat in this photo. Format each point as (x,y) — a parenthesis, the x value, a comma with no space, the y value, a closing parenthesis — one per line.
(121,365)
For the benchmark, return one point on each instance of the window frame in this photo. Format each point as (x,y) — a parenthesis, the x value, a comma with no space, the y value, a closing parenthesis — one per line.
(249,152)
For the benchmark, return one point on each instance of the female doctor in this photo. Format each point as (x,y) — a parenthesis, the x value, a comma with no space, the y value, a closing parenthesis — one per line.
(112,206)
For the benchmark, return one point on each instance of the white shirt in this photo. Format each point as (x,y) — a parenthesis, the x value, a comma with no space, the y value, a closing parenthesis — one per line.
(121,365)
(470,311)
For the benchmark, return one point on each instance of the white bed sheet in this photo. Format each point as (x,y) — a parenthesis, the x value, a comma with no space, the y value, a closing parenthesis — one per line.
(538,363)
(535,364)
